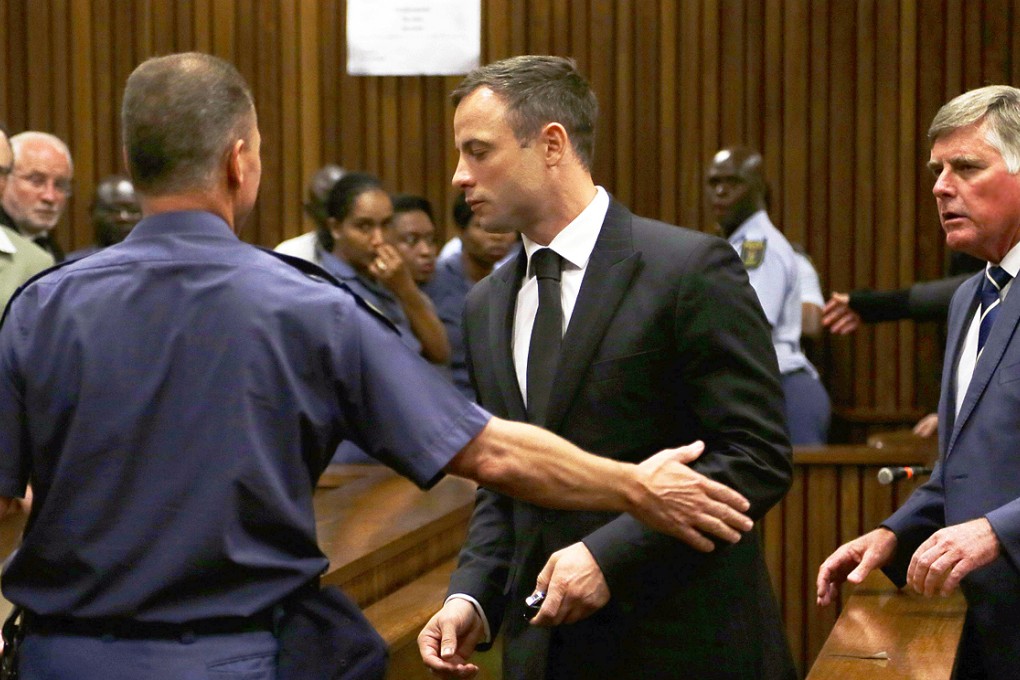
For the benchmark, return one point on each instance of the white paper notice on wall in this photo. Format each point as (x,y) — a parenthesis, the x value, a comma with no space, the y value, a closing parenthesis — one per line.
(411,38)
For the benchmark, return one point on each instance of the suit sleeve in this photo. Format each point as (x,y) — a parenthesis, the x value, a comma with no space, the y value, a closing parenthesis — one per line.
(919,517)
(729,378)
(483,566)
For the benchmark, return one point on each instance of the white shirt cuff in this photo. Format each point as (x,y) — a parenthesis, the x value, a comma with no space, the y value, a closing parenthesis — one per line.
(487,633)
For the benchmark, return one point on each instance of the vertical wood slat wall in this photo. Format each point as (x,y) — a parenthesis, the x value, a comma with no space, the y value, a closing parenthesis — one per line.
(836,93)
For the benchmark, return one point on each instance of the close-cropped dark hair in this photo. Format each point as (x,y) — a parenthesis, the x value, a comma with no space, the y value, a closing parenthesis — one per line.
(538,90)
(462,212)
(403,203)
(179,115)
(341,201)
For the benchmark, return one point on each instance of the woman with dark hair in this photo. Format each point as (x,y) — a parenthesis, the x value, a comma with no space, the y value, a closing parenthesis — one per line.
(358,212)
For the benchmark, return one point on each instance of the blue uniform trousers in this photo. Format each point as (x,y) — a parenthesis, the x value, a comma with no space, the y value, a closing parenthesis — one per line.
(241,656)
(808,410)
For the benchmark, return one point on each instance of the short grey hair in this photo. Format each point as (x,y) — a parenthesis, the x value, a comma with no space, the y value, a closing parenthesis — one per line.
(998,106)
(538,90)
(179,115)
(19,140)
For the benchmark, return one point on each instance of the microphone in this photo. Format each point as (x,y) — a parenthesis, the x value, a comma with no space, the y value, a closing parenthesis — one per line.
(888,475)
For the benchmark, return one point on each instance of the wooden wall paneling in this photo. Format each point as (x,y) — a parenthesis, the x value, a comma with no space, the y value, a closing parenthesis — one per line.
(822,515)
(518,30)
(1013,75)
(711,96)
(774,110)
(84,124)
(863,251)
(265,56)
(39,62)
(560,29)
(623,91)
(886,198)
(5,88)
(794,562)
(16,82)
(754,74)
(600,77)
(393,138)
(201,13)
(836,270)
(973,51)
(160,37)
(580,36)
(309,128)
(904,201)
(646,137)
(411,176)
(995,41)
(818,125)
(666,136)
(373,115)
(538,28)
(795,121)
(439,153)
(689,115)
(732,55)
(291,105)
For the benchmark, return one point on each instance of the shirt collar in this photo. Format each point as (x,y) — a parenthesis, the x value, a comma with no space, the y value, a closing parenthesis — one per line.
(1011,262)
(6,244)
(576,241)
(757,219)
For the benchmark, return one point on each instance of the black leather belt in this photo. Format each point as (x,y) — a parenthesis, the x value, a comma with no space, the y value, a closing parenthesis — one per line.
(129,629)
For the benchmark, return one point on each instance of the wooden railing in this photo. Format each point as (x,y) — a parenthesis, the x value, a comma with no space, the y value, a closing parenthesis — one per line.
(835,497)
(391,546)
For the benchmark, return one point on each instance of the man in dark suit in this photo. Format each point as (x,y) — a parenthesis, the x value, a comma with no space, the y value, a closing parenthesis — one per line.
(962,528)
(661,340)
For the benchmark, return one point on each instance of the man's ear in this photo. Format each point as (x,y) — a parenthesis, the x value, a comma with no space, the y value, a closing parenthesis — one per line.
(556,141)
(235,167)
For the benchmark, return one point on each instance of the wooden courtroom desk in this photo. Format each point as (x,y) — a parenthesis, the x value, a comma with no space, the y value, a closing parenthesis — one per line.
(390,546)
(918,635)
(834,498)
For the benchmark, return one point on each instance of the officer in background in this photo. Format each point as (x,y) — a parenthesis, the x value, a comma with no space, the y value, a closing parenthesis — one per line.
(736,191)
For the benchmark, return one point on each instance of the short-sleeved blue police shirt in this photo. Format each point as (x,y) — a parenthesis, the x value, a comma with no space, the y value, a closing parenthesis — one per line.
(772,269)
(172,400)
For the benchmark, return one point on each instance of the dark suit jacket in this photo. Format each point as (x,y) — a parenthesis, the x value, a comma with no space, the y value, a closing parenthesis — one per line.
(978,475)
(667,344)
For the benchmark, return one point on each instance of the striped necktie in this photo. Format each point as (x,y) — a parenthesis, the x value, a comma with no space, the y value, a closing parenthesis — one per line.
(992,284)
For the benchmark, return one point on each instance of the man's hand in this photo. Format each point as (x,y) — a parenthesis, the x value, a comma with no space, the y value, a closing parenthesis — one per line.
(838,317)
(449,638)
(688,505)
(574,587)
(927,426)
(853,562)
(941,562)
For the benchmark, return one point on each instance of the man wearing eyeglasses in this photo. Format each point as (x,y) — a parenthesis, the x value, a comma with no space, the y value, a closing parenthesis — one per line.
(20,259)
(38,187)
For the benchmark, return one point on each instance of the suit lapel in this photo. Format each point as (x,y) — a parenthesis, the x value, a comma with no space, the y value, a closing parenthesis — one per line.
(955,335)
(505,285)
(609,273)
(991,356)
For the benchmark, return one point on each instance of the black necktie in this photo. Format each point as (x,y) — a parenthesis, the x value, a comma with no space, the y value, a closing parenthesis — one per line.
(995,280)
(546,334)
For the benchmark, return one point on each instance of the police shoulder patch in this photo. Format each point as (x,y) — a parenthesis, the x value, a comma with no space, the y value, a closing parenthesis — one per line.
(752,253)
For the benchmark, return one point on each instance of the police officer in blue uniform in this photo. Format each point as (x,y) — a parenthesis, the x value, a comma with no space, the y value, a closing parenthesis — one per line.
(736,191)
(173,398)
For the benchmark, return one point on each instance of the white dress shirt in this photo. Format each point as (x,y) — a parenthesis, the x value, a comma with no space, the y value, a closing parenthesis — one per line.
(574,244)
(968,353)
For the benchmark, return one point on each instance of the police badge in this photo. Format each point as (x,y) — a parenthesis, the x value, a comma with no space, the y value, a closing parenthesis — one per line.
(752,253)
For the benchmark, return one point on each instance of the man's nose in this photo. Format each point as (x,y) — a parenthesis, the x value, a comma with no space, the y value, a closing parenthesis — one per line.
(461,176)
(943,185)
